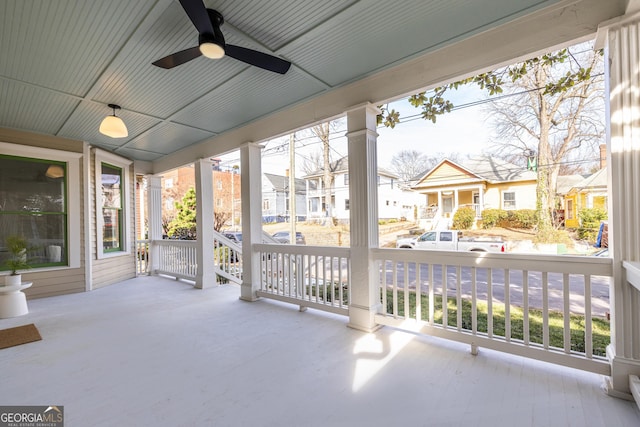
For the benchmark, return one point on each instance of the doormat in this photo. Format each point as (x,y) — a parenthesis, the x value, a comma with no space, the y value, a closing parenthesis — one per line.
(19,335)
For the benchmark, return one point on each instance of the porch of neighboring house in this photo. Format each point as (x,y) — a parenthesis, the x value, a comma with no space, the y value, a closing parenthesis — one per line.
(156,351)
(442,205)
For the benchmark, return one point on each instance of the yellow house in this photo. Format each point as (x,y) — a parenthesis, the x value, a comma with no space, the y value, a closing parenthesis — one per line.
(591,192)
(480,182)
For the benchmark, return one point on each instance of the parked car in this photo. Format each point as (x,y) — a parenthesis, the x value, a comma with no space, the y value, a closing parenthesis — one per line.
(234,236)
(284,237)
(451,240)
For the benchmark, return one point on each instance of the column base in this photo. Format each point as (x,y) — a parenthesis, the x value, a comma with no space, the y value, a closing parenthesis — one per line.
(617,385)
(363,318)
(247,293)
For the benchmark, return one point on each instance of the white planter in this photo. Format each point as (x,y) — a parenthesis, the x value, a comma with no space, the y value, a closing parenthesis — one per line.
(15,279)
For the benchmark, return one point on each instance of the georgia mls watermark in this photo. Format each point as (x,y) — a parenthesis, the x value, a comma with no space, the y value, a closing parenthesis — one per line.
(32,416)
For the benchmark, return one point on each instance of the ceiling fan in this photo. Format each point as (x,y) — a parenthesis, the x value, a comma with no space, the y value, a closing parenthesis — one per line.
(211,43)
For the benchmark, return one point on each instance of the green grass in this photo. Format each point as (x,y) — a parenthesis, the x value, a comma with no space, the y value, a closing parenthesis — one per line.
(600,327)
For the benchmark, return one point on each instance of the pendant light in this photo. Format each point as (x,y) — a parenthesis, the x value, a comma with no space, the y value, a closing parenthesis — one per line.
(113,126)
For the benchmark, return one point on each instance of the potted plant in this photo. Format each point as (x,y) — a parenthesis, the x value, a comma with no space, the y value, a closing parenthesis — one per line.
(17,247)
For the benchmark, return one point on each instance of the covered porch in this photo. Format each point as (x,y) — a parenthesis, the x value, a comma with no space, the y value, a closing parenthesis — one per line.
(154,351)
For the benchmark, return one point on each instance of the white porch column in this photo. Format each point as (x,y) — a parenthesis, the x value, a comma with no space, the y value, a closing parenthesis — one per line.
(363,215)
(251,183)
(622,60)
(455,200)
(154,200)
(206,276)
(440,210)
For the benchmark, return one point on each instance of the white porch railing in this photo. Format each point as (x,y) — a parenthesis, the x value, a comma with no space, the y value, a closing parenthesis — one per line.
(142,257)
(513,303)
(177,258)
(507,302)
(316,277)
(227,259)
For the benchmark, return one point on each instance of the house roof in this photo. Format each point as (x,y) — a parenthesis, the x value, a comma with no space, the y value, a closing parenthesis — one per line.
(341,166)
(597,180)
(281,183)
(566,182)
(473,169)
(64,61)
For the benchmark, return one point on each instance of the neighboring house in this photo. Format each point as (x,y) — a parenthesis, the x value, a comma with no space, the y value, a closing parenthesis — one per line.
(590,192)
(394,202)
(480,182)
(226,190)
(276,198)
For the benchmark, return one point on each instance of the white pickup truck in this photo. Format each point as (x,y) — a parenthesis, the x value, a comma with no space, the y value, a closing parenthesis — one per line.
(451,240)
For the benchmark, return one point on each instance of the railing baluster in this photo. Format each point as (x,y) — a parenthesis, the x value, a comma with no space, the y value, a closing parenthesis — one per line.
(474,302)
(418,292)
(545,310)
(445,315)
(507,305)
(525,307)
(406,290)
(588,327)
(490,302)
(566,295)
(459,297)
(395,289)
(431,295)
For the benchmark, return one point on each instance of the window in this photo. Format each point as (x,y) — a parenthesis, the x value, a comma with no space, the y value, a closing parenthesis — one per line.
(569,209)
(40,200)
(219,202)
(112,204)
(219,185)
(34,206)
(446,236)
(346,179)
(346,204)
(428,237)
(112,229)
(168,204)
(509,200)
(168,183)
(265,204)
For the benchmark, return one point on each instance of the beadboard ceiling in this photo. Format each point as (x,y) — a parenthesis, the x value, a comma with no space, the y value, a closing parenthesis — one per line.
(63,61)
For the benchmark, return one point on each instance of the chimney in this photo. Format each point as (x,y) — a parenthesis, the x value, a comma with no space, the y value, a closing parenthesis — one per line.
(603,156)
(286,172)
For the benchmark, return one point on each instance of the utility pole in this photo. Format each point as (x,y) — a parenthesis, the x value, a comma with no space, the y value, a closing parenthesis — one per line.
(292,189)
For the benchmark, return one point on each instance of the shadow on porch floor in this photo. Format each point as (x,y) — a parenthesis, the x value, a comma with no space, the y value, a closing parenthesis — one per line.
(153,351)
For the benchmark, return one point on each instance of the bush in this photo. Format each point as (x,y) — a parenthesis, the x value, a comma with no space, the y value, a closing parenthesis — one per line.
(522,218)
(464,218)
(492,217)
(591,217)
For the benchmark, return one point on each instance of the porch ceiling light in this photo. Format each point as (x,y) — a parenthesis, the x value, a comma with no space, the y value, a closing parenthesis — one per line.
(113,126)
(54,171)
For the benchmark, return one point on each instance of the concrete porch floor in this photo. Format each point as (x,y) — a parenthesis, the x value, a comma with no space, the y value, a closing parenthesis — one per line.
(153,351)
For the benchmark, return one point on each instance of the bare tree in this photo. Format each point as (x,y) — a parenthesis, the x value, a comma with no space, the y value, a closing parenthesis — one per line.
(322,131)
(561,129)
(220,220)
(409,163)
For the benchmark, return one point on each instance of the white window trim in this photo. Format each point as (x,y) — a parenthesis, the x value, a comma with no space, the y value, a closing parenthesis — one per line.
(72,196)
(121,162)
(515,200)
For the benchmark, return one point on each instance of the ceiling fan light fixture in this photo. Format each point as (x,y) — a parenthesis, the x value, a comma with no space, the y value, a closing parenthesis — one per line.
(211,50)
(113,126)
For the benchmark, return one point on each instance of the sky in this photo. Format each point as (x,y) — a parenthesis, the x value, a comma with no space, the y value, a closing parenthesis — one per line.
(464,130)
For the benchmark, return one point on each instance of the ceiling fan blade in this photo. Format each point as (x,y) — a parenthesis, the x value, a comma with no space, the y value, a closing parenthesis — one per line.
(197,12)
(178,58)
(259,59)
